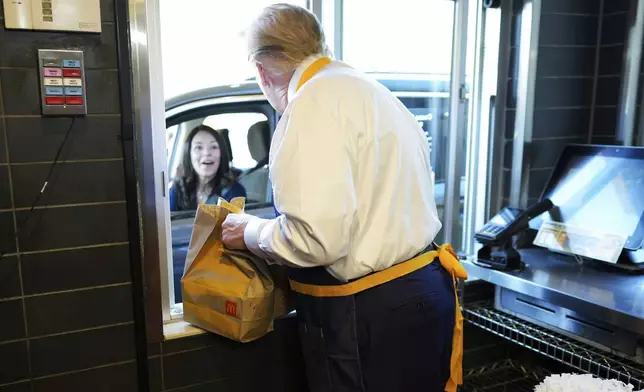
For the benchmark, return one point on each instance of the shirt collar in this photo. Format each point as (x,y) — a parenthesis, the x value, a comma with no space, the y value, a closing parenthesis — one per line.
(295,80)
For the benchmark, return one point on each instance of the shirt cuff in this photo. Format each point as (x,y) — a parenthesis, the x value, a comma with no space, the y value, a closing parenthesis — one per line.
(251,236)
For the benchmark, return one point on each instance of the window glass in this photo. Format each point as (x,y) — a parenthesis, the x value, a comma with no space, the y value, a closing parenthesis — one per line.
(414,36)
(203,44)
(237,125)
(409,49)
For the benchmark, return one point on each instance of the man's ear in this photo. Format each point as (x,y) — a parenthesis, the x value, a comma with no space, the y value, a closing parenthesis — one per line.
(263,75)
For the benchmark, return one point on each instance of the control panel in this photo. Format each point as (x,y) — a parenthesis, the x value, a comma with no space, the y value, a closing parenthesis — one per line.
(62,82)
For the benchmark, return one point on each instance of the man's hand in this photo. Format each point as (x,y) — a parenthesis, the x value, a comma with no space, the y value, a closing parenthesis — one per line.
(232,234)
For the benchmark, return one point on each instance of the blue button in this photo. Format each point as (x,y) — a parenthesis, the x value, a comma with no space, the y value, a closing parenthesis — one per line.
(71,64)
(73,91)
(53,91)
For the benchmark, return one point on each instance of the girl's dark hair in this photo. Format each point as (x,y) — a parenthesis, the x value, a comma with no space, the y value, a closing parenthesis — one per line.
(189,178)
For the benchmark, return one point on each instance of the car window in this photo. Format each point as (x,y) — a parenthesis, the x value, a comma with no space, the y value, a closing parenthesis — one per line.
(238,125)
(246,136)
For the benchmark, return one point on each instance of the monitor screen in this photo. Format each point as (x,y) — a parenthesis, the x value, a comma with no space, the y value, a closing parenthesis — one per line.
(599,188)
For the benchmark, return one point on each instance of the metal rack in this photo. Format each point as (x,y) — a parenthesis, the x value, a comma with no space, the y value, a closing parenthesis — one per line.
(508,375)
(556,346)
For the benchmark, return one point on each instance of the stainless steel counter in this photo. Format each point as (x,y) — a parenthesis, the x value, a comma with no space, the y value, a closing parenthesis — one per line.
(608,294)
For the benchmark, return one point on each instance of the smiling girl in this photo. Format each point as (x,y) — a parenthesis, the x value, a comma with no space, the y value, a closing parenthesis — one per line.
(204,168)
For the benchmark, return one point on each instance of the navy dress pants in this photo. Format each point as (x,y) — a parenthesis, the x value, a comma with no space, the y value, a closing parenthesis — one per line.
(396,337)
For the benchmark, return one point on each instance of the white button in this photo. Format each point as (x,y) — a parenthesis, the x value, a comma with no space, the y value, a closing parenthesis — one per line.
(76,82)
(53,81)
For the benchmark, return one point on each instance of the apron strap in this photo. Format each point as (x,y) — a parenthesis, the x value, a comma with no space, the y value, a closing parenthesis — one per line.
(312,70)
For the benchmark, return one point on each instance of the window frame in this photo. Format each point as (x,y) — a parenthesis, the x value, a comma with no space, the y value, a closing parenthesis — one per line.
(202,109)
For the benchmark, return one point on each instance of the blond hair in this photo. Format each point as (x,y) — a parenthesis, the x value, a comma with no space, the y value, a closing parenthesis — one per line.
(287,34)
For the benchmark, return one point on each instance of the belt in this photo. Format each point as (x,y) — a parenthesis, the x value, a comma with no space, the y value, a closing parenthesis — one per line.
(448,259)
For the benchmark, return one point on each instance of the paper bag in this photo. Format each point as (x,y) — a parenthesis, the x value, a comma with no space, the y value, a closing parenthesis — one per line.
(230,293)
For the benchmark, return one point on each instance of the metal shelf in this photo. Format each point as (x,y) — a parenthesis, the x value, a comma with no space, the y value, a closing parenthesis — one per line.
(575,354)
(508,375)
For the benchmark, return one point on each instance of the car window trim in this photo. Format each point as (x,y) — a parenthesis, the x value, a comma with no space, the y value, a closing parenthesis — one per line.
(207,102)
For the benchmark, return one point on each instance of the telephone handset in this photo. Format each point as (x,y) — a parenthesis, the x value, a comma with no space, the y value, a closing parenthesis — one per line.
(496,235)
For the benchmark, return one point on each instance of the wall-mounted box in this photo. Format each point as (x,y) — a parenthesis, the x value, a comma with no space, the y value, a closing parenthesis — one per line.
(57,15)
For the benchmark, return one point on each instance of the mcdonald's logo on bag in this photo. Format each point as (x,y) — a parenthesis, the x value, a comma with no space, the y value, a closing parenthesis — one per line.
(231,308)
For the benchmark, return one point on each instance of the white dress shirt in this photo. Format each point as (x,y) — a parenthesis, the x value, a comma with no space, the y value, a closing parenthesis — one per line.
(351,177)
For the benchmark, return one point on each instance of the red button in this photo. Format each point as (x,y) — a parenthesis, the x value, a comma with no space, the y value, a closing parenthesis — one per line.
(54,100)
(71,72)
(74,100)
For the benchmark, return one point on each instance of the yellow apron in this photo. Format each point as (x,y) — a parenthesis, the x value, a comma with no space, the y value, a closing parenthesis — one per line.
(445,255)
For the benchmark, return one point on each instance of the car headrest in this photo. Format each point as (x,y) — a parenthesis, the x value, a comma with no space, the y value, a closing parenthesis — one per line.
(224,132)
(259,138)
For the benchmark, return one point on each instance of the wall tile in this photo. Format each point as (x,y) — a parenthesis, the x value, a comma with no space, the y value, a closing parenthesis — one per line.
(222,385)
(197,366)
(118,378)
(605,121)
(608,90)
(19,387)
(90,138)
(571,6)
(507,183)
(107,10)
(55,313)
(511,94)
(614,29)
(3,153)
(546,152)
(22,87)
(563,92)
(538,181)
(560,122)
(13,324)
(9,277)
(102,92)
(611,60)
(516,23)
(154,366)
(557,29)
(7,233)
(606,140)
(265,379)
(83,350)
(507,154)
(154,349)
(510,117)
(19,48)
(14,362)
(5,189)
(611,6)
(88,225)
(194,342)
(68,270)
(513,64)
(1,86)
(86,182)
(566,61)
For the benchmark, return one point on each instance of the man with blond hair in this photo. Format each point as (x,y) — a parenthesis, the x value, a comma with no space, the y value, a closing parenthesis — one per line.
(352,182)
